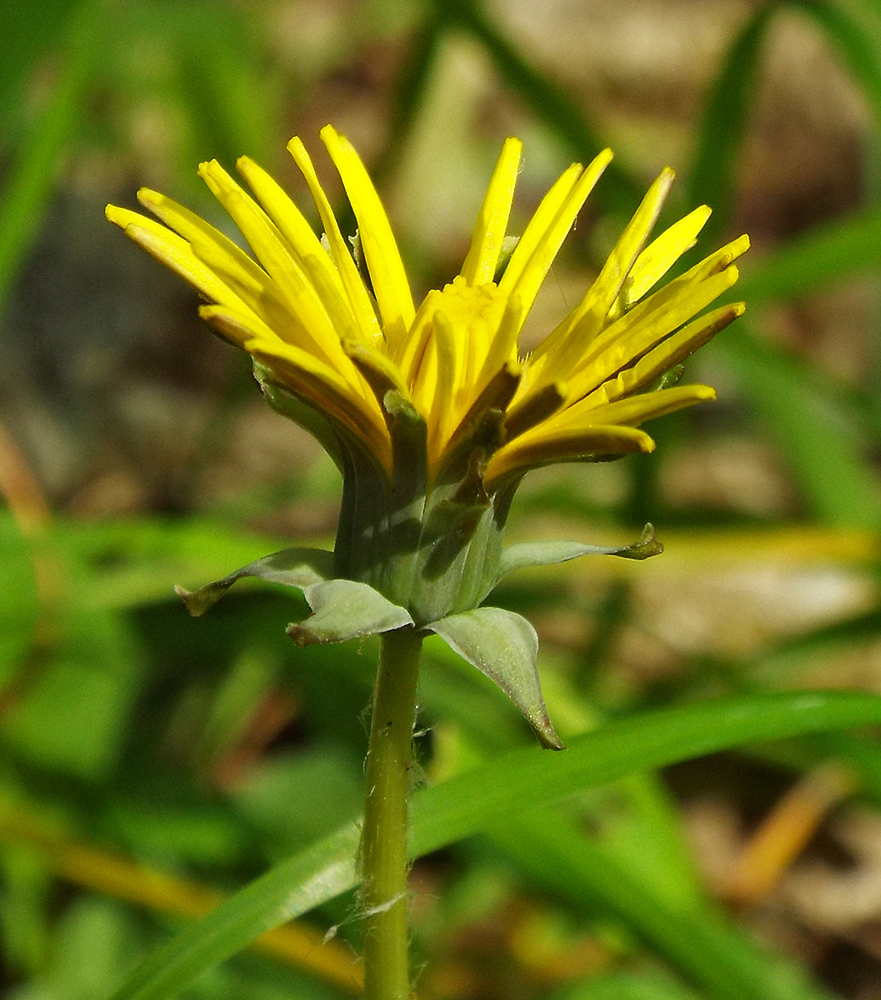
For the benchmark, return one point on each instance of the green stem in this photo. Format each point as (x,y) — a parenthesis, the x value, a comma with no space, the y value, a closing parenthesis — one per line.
(384,836)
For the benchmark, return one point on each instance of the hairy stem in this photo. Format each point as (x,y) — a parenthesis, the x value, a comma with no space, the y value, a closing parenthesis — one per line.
(384,836)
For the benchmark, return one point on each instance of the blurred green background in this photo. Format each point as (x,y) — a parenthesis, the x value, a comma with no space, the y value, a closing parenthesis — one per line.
(149,763)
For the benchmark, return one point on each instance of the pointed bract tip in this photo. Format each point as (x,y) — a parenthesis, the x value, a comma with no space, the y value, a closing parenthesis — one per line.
(302,637)
(193,601)
(547,735)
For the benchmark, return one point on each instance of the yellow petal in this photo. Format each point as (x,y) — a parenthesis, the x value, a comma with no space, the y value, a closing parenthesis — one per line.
(539,447)
(279,207)
(630,411)
(669,353)
(366,324)
(390,285)
(585,321)
(415,360)
(646,325)
(343,320)
(659,256)
(535,408)
(173,251)
(492,220)
(236,326)
(442,408)
(293,287)
(380,373)
(546,231)
(542,219)
(300,373)
(503,346)
(351,314)
(192,228)
(459,327)
(482,421)
(635,410)
(259,293)
(247,280)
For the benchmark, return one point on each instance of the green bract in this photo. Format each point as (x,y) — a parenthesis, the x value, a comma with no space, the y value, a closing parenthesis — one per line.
(501,644)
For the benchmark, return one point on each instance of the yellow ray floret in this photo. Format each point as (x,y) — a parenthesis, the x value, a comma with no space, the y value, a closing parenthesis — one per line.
(390,285)
(492,220)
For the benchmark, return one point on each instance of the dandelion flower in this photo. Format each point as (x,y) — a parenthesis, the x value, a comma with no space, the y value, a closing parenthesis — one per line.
(432,412)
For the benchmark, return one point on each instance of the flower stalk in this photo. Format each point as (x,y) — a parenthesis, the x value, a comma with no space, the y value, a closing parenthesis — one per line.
(383,859)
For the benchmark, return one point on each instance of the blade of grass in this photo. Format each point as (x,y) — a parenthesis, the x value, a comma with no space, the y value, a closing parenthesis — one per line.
(296,944)
(33,170)
(699,942)
(462,806)
(818,439)
(815,261)
(549,102)
(35,30)
(411,84)
(469,803)
(853,30)
(712,179)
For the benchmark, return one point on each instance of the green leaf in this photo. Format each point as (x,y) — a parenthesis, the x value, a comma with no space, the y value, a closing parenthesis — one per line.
(526,554)
(474,801)
(720,136)
(503,646)
(346,609)
(342,609)
(300,568)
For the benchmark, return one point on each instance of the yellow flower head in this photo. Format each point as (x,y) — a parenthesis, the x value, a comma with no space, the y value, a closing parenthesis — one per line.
(339,340)
(432,413)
